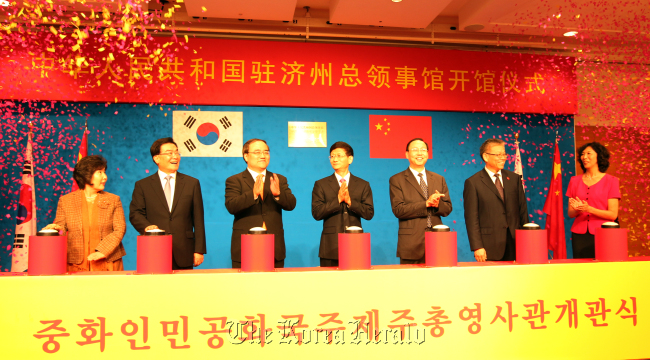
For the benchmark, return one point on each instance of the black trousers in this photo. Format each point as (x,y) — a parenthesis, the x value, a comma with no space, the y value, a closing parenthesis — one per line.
(176,267)
(279,264)
(412,261)
(511,248)
(583,245)
(329,262)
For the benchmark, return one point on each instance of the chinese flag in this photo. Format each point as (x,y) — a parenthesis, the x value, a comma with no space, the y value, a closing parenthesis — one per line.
(555,211)
(389,134)
(83,152)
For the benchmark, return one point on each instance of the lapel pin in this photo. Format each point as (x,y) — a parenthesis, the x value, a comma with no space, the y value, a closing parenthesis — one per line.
(507,178)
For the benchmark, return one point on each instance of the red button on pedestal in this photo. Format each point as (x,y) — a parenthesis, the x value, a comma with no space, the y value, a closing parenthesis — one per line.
(354,251)
(154,254)
(441,248)
(257,253)
(532,247)
(47,255)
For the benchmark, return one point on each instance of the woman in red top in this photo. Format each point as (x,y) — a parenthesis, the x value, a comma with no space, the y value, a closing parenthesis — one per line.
(593,198)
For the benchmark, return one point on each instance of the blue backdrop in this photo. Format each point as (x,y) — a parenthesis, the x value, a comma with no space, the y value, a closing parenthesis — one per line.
(123,134)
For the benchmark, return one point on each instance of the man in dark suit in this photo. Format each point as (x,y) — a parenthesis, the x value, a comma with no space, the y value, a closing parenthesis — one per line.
(171,201)
(257,197)
(495,206)
(419,198)
(340,199)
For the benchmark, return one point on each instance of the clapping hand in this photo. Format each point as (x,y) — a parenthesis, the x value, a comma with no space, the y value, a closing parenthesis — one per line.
(275,185)
(434,199)
(578,204)
(344,194)
(258,188)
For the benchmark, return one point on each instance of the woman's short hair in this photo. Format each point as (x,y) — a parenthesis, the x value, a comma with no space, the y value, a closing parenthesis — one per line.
(601,152)
(85,169)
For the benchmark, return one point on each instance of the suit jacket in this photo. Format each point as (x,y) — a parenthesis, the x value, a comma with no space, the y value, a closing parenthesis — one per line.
(325,206)
(487,217)
(250,212)
(184,222)
(409,206)
(111,225)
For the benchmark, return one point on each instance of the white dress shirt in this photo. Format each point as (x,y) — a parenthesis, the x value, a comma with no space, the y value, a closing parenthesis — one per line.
(254,175)
(417,176)
(346,177)
(492,176)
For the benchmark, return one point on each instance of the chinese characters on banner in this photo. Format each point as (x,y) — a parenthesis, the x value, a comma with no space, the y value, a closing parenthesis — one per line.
(242,72)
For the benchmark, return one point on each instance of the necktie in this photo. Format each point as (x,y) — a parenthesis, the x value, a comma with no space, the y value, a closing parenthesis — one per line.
(499,186)
(425,190)
(168,191)
(260,176)
(346,219)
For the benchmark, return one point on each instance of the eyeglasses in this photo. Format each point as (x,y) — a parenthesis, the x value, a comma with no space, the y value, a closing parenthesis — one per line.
(258,153)
(504,155)
(169,153)
(340,157)
(419,150)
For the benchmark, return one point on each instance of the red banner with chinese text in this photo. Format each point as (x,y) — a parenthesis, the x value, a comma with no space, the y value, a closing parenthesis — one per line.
(268,73)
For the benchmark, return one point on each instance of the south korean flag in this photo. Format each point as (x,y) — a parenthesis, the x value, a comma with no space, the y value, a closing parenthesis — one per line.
(209,133)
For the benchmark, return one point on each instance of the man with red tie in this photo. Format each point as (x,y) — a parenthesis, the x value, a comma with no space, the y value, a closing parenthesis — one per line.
(495,206)
(418,198)
(340,200)
(257,197)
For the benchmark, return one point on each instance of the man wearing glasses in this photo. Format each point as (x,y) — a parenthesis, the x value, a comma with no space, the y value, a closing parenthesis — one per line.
(340,200)
(419,198)
(173,202)
(257,197)
(495,206)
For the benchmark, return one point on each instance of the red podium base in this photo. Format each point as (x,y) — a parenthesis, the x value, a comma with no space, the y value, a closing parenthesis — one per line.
(441,249)
(611,244)
(354,251)
(257,253)
(48,255)
(532,247)
(154,254)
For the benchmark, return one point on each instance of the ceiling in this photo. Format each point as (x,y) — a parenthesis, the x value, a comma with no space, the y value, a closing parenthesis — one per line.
(524,24)
(510,25)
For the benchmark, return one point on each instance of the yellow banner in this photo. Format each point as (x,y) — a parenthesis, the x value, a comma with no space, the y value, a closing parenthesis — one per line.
(583,310)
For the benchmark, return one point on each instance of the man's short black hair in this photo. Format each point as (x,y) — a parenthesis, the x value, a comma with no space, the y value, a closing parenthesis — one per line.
(416,139)
(155,148)
(342,145)
(487,143)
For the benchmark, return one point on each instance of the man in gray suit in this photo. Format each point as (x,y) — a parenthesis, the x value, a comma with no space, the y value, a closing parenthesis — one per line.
(419,198)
